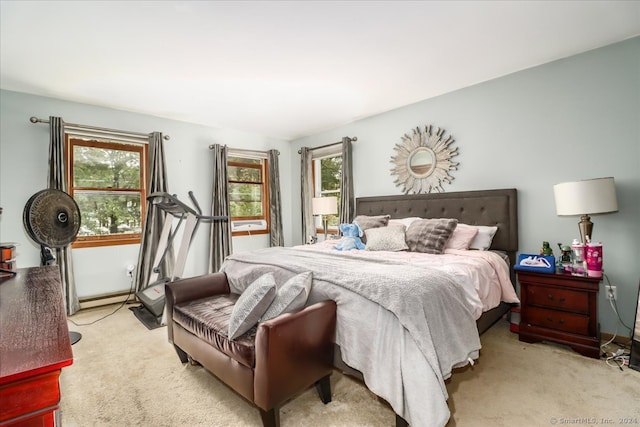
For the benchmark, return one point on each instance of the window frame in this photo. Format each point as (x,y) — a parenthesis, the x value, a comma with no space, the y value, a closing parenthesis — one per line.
(316,174)
(72,141)
(264,183)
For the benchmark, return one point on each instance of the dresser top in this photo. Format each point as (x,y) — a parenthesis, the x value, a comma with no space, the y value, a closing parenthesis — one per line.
(34,336)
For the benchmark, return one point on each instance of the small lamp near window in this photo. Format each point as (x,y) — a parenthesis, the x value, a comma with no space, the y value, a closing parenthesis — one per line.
(324,206)
(591,196)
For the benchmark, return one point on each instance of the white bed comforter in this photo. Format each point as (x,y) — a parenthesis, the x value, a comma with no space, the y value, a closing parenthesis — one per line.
(393,361)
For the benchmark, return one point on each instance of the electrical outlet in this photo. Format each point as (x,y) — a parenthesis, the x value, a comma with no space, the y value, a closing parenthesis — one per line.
(612,293)
(130,269)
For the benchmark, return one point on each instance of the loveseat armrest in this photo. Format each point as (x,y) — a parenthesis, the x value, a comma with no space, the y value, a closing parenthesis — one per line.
(293,351)
(193,288)
(190,289)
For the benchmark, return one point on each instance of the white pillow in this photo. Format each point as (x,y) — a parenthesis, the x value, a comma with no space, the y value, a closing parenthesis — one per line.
(252,304)
(291,296)
(462,237)
(404,221)
(389,238)
(483,239)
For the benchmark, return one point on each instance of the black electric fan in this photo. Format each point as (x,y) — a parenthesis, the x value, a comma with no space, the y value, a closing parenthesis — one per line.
(52,219)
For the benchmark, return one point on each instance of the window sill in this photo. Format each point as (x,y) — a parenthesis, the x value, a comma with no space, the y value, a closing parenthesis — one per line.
(248,233)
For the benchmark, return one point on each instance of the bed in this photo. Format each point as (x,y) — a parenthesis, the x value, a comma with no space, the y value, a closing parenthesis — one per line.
(403,326)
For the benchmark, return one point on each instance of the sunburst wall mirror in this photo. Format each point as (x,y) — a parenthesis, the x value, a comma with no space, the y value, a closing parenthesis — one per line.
(423,160)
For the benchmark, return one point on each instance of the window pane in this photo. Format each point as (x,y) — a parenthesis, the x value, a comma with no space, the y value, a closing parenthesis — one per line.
(244,160)
(96,167)
(330,173)
(104,213)
(237,173)
(330,177)
(245,199)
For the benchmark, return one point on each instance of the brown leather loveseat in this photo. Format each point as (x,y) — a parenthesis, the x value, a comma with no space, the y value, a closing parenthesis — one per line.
(269,364)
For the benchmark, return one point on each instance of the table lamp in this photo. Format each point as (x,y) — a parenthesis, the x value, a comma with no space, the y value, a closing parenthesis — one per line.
(324,206)
(591,196)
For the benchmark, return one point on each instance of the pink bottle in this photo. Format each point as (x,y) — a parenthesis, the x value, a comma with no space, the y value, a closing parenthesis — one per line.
(594,259)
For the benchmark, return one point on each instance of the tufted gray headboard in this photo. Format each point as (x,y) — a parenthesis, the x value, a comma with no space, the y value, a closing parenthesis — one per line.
(483,207)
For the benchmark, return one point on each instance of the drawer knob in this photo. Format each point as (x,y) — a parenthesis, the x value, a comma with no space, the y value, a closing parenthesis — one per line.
(561,299)
(549,319)
(561,321)
(550,296)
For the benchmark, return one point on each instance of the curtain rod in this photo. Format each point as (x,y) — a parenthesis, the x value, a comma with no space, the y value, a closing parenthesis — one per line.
(355,138)
(244,150)
(34,119)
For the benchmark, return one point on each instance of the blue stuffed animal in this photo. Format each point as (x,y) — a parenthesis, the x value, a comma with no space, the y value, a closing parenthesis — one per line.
(351,234)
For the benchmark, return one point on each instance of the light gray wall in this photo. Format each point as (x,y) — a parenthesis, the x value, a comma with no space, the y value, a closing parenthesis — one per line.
(23,172)
(572,119)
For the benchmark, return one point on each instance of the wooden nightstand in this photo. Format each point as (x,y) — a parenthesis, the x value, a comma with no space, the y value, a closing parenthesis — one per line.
(560,308)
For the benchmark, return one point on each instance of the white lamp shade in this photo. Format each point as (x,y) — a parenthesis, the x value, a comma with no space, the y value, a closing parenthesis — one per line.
(325,205)
(591,196)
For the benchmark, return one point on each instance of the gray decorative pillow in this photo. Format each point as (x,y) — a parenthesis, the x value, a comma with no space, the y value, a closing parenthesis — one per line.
(430,235)
(291,296)
(252,304)
(389,238)
(366,222)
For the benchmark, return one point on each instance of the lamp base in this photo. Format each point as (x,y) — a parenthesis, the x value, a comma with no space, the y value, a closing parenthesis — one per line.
(586,228)
(325,226)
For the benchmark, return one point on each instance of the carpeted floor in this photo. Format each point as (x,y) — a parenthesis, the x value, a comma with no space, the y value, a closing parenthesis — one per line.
(127,375)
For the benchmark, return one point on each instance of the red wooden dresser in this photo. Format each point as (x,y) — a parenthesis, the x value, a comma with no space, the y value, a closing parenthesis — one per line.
(34,346)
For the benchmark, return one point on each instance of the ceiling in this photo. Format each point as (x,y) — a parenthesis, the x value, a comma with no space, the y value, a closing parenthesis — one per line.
(287,69)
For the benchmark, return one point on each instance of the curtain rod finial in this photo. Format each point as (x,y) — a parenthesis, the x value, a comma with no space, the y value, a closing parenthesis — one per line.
(355,138)
(33,119)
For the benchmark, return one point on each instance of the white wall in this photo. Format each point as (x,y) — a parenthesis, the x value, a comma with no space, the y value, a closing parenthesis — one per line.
(23,171)
(572,119)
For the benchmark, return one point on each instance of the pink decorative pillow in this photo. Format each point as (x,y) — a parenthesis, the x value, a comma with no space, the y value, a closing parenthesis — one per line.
(462,237)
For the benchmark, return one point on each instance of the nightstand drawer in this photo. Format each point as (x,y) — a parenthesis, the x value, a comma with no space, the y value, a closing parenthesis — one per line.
(564,299)
(562,321)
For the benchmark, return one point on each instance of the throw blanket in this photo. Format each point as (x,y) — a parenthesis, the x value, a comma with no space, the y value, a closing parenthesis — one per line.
(429,304)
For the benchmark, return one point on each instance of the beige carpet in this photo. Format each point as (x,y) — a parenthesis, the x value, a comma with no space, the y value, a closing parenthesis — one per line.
(125,375)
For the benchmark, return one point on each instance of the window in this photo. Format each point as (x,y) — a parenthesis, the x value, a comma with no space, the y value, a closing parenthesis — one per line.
(327,174)
(248,195)
(107,181)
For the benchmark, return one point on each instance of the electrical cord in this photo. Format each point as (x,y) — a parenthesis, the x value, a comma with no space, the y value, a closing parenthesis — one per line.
(619,358)
(113,312)
(613,304)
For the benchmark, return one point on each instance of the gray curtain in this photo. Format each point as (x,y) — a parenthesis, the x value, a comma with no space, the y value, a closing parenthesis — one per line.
(220,237)
(275,201)
(155,217)
(58,181)
(347,200)
(308,224)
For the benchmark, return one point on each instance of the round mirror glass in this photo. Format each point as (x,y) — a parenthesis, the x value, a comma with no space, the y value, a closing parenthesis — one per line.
(421,162)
